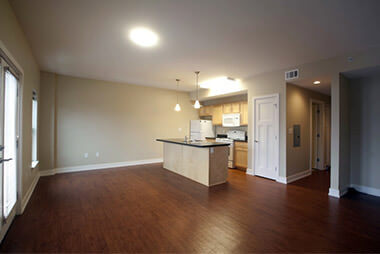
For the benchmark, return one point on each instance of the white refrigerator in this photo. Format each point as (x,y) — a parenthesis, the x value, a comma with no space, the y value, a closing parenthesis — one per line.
(200,129)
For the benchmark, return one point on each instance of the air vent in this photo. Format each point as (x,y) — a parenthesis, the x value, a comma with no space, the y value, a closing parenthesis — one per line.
(293,74)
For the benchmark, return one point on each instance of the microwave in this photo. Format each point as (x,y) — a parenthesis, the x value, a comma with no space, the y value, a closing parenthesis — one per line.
(231,120)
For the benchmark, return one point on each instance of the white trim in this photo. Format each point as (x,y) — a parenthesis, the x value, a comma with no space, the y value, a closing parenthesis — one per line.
(298,176)
(337,193)
(98,166)
(250,171)
(366,190)
(294,177)
(277,131)
(34,164)
(281,179)
(29,193)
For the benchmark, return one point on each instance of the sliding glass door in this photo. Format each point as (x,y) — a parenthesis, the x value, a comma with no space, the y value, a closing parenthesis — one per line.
(8,141)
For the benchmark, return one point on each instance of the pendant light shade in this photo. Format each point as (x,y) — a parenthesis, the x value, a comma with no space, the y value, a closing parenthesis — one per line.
(197,104)
(177,106)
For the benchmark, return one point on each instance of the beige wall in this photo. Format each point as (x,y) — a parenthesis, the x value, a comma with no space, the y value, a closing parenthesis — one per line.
(298,112)
(13,40)
(119,121)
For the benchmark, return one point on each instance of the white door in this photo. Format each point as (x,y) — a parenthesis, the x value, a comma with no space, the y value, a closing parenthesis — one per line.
(266,133)
(8,141)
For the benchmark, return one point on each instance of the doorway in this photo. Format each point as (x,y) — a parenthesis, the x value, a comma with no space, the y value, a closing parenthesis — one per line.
(317,134)
(9,136)
(266,136)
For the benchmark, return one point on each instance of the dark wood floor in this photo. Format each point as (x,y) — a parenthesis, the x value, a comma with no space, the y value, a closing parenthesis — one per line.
(148,209)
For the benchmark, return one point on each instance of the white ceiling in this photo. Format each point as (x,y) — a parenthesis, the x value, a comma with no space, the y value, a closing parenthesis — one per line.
(88,38)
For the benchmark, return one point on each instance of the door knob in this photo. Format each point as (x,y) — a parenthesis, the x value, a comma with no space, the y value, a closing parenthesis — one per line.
(5,160)
(256,141)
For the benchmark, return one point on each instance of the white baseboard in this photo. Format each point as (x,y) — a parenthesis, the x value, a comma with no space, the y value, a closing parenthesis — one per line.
(249,171)
(29,193)
(337,193)
(281,179)
(366,190)
(98,166)
(294,177)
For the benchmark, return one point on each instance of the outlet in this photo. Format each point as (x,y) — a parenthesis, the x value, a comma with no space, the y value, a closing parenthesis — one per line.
(179,129)
(97,154)
(85,155)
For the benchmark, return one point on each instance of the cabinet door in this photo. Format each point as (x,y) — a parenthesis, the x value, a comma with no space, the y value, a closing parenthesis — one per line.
(241,154)
(205,111)
(217,112)
(208,110)
(235,107)
(244,113)
(227,108)
(202,111)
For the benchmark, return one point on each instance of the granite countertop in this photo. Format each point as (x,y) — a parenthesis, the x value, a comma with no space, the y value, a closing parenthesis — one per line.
(200,144)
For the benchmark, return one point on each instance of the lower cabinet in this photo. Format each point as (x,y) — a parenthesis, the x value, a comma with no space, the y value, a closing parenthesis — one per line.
(241,154)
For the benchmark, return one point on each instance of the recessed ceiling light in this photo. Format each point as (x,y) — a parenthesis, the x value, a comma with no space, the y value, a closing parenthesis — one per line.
(143,37)
(317,82)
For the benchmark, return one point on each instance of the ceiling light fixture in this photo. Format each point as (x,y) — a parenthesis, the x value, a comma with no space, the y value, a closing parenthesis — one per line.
(177,106)
(197,104)
(220,82)
(317,82)
(143,37)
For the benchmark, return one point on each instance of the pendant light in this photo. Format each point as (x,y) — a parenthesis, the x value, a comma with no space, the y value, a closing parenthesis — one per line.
(197,104)
(177,106)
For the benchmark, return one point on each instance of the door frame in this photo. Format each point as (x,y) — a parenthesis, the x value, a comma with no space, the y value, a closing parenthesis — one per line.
(276,96)
(19,163)
(323,123)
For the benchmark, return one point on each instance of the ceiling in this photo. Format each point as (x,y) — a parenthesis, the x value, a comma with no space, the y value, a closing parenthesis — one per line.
(363,73)
(324,87)
(88,38)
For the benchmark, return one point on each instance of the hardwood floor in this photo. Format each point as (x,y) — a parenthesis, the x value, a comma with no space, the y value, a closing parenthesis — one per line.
(148,209)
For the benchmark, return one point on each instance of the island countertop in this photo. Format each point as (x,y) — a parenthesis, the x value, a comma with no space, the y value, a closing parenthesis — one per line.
(199,144)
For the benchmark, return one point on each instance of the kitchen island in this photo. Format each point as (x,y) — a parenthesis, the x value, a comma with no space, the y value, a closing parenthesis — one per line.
(202,161)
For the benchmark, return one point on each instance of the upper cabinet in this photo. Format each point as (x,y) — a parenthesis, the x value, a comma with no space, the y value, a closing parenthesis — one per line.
(244,113)
(217,111)
(205,111)
(229,108)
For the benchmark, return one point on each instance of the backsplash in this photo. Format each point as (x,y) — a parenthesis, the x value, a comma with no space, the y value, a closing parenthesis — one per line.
(224,130)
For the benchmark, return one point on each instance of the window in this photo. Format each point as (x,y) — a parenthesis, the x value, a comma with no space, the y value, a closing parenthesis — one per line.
(34,129)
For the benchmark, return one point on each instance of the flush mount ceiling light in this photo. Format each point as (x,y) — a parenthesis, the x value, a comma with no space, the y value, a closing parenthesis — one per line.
(143,37)
(317,82)
(219,82)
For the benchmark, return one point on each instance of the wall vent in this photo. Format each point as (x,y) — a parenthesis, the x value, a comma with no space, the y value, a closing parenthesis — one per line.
(293,74)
